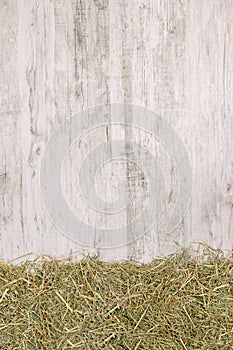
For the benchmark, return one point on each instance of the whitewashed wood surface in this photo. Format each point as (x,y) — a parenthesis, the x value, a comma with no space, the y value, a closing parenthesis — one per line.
(60,57)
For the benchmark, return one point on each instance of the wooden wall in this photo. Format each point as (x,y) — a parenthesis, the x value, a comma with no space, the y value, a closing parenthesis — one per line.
(60,57)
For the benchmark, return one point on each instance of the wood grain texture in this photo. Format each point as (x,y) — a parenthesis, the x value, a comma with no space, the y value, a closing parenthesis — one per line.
(60,57)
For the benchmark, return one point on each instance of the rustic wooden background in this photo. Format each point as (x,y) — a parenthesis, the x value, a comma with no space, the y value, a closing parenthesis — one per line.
(60,57)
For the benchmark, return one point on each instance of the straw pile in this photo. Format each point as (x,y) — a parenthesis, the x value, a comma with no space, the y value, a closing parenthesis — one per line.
(179,302)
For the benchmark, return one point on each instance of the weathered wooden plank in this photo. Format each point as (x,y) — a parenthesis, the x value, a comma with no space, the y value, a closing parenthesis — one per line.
(61,57)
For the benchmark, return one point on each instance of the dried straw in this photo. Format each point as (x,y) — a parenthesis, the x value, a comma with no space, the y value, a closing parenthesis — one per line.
(179,302)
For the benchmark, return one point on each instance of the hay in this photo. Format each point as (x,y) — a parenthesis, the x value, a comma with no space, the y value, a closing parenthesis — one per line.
(179,302)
